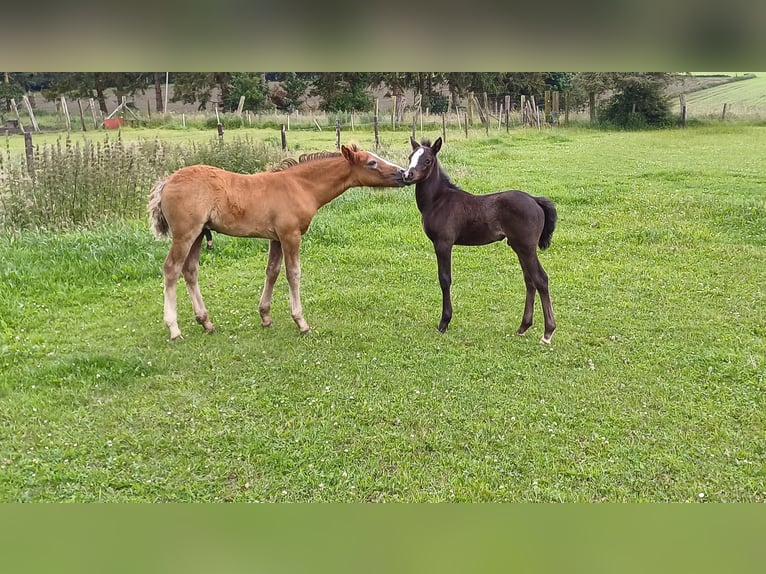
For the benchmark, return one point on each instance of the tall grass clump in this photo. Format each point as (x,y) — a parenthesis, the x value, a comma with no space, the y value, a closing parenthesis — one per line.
(79,184)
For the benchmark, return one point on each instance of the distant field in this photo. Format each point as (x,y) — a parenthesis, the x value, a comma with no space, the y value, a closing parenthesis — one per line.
(746,99)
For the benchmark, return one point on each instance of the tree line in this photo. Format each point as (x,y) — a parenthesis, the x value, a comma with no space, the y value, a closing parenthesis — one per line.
(637,95)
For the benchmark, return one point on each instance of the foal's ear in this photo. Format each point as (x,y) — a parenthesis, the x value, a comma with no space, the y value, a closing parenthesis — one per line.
(415,145)
(347,153)
(437,145)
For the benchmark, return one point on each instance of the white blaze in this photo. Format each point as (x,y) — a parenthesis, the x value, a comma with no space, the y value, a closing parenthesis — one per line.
(381,160)
(414,160)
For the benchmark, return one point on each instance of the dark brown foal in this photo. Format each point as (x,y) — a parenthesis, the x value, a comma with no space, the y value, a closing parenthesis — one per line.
(452,216)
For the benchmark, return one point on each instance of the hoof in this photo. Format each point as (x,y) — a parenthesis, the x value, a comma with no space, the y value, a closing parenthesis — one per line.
(268,325)
(305,331)
(177,337)
(546,340)
(210,331)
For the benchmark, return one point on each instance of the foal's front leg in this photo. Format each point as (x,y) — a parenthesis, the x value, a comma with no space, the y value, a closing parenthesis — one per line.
(272,272)
(291,251)
(444,264)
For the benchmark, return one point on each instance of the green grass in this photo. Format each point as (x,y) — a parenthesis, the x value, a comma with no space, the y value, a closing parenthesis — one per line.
(653,389)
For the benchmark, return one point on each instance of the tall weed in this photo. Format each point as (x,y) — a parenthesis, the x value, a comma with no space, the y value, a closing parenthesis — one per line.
(83,183)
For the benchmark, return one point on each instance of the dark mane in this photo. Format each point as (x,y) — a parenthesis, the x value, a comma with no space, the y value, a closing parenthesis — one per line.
(446,179)
(289,162)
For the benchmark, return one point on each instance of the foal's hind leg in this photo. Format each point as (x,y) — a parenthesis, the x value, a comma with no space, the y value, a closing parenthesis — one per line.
(535,279)
(529,302)
(545,299)
(171,270)
(272,272)
(190,271)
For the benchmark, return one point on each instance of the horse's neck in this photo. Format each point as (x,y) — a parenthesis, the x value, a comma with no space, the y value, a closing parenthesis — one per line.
(326,179)
(429,190)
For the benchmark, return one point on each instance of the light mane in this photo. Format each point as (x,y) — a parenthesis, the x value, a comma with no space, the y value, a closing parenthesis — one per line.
(289,162)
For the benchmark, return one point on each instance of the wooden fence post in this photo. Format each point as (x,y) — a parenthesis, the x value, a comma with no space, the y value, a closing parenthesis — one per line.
(337,134)
(465,123)
(18,116)
(31,113)
(82,115)
(723,113)
(65,109)
(219,125)
(92,105)
(470,108)
(535,111)
(284,138)
(375,124)
(444,127)
(547,103)
(486,113)
(29,153)
(524,111)
(393,112)
(682,97)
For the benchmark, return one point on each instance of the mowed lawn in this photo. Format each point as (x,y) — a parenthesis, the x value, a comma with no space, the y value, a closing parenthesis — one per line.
(653,388)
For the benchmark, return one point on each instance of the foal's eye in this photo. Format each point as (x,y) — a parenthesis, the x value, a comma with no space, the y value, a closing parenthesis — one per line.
(372,163)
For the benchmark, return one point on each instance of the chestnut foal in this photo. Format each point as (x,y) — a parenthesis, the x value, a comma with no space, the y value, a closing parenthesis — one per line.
(276,205)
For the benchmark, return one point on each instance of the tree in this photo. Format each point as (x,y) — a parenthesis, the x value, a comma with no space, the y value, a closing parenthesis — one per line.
(636,98)
(639,101)
(94,84)
(561,81)
(191,87)
(9,89)
(248,84)
(292,90)
(344,91)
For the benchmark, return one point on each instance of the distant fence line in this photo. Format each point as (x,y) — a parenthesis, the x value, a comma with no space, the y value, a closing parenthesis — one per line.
(86,115)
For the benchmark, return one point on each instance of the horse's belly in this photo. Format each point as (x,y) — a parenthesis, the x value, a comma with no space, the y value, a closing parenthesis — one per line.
(478,233)
(245,229)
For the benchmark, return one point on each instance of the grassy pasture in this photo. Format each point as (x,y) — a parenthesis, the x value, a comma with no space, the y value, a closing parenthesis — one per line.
(653,389)
(746,98)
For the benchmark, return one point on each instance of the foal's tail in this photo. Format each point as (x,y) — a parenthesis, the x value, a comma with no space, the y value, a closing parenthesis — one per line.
(157,220)
(549,208)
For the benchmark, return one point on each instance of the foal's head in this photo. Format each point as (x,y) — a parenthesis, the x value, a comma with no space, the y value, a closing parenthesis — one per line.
(422,160)
(371,170)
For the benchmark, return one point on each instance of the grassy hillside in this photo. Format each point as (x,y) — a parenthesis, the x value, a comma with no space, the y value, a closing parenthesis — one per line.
(746,99)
